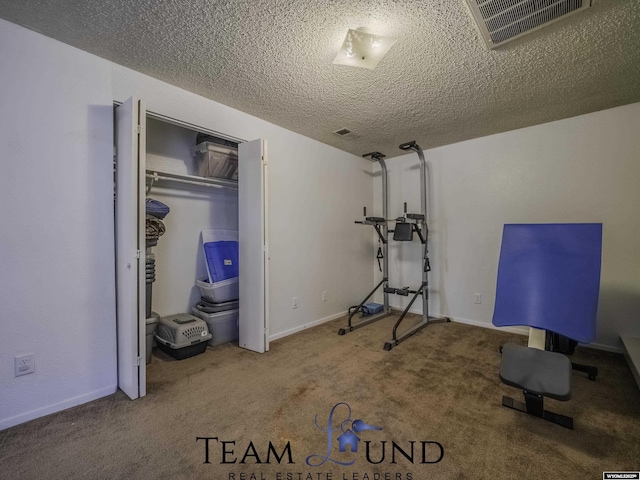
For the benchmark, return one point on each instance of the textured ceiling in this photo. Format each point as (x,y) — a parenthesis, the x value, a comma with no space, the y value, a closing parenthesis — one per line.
(438,85)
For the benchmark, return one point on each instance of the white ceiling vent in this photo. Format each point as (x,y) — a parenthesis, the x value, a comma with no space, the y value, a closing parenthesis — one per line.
(501,21)
(343,132)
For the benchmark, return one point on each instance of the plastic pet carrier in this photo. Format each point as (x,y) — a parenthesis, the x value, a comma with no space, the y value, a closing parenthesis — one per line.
(182,335)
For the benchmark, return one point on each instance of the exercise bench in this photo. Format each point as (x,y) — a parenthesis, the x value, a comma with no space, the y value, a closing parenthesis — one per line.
(539,373)
(549,280)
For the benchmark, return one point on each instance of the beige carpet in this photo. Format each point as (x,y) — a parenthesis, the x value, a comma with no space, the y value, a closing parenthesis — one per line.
(441,386)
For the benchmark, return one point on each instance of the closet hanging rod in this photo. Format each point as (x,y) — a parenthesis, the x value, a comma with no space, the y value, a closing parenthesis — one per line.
(189,179)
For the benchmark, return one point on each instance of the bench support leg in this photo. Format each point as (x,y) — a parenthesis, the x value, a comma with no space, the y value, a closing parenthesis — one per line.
(590,370)
(535,406)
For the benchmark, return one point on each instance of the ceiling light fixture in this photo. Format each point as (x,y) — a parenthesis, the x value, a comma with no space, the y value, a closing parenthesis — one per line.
(362,49)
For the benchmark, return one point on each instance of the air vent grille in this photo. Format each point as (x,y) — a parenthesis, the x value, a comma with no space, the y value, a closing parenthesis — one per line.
(500,21)
(342,132)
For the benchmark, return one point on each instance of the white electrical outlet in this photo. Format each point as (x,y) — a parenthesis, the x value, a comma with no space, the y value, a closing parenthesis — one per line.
(294,302)
(324,296)
(24,364)
(477,298)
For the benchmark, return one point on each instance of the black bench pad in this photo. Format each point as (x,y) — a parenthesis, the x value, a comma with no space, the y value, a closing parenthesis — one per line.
(537,371)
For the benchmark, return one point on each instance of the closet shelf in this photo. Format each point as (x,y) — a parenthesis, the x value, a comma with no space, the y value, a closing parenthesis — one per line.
(157,176)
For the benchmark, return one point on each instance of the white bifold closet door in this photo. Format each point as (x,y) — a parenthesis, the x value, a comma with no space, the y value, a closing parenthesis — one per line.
(130,246)
(253,246)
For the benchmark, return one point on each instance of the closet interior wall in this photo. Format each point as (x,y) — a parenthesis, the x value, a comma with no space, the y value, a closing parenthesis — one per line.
(179,254)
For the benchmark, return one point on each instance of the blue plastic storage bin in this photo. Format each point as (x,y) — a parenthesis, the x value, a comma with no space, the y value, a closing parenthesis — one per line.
(223,249)
(222,259)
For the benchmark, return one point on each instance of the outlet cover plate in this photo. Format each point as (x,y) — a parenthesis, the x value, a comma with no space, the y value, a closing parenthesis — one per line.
(24,364)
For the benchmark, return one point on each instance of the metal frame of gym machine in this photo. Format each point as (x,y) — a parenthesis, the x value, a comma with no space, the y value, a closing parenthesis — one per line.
(418,224)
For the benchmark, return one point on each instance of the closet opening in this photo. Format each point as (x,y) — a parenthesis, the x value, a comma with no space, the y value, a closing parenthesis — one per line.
(191,210)
(191,207)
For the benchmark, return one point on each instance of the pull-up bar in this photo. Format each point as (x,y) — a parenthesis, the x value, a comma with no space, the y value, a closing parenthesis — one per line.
(403,231)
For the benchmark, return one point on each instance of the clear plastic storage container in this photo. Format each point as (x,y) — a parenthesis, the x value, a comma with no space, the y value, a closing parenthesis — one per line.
(213,160)
(219,292)
(222,325)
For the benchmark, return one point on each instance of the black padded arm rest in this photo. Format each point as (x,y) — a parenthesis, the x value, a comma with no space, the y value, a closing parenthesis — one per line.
(403,232)
(537,371)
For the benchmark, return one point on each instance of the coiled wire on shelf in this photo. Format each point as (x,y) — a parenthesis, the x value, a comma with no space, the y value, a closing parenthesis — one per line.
(154,227)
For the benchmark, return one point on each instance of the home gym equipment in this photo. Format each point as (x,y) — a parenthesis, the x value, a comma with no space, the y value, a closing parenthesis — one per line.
(548,279)
(403,231)
(380,226)
(540,374)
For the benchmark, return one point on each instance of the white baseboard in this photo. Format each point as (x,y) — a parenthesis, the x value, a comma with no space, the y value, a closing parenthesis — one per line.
(299,328)
(476,323)
(57,407)
(603,347)
(399,309)
(632,354)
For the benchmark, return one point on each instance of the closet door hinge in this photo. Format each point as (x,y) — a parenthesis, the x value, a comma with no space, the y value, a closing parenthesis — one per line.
(138,128)
(138,361)
(138,254)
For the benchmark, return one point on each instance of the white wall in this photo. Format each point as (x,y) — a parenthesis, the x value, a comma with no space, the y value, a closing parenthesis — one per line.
(57,283)
(57,292)
(583,169)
